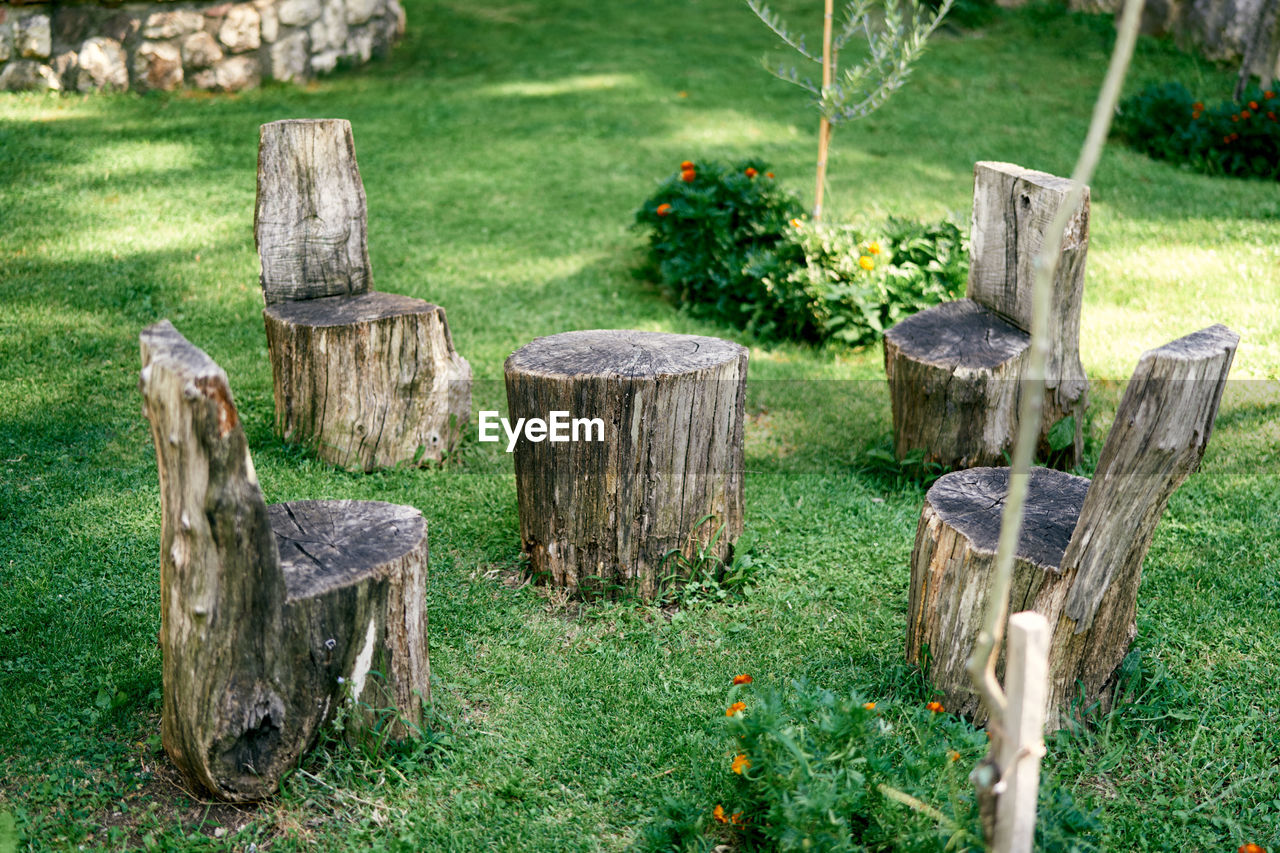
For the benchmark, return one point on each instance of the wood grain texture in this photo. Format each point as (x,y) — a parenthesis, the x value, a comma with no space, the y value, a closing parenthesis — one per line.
(1158,438)
(953,383)
(264,609)
(1012,209)
(953,564)
(310,219)
(1082,544)
(369,381)
(601,516)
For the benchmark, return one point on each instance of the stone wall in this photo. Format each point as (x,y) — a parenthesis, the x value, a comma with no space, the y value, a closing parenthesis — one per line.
(211,45)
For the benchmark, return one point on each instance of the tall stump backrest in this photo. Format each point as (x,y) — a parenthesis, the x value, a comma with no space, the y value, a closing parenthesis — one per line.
(219,570)
(1159,436)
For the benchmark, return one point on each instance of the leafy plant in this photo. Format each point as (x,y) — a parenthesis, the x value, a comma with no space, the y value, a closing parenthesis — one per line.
(1166,122)
(729,244)
(894,42)
(704,578)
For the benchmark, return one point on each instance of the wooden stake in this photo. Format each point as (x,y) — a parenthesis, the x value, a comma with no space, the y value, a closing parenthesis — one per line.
(824,126)
(1026,681)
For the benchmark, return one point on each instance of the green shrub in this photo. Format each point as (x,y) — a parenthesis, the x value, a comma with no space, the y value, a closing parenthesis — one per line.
(729,244)
(1164,121)
(819,771)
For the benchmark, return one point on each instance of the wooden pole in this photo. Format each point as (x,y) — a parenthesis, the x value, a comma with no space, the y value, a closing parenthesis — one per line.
(982,663)
(1026,681)
(824,126)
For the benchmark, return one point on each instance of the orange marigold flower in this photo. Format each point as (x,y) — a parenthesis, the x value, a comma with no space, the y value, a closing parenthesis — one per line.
(866,263)
(1271,115)
(935,707)
(1253,105)
(1195,115)
(688,176)
(742,679)
(1245,114)
(868,706)
(1235,118)
(1268,94)
(953,755)
(663,209)
(750,173)
(874,248)
(1226,139)
(769,175)
(1250,847)
(1198,107)
(740,763)
(735,708)
(736,819)
(686,165)
(795,223)
(718,814)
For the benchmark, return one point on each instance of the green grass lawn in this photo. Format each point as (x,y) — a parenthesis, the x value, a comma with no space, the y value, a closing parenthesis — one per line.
(504,149)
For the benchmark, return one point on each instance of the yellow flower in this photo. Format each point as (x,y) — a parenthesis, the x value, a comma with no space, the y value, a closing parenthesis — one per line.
(866,263)
(795,223)
(874,248)
(740,763)
(736,707)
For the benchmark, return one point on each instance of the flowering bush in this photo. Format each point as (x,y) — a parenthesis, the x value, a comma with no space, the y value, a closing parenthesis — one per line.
(1166,122)
(727,243)
(812,770)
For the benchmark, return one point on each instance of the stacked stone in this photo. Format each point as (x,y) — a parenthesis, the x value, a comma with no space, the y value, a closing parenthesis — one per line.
(218,46)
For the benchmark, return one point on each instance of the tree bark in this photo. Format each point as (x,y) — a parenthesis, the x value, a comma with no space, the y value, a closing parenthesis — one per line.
(954,560)
(953,375)
(310,219)
(370,381)
(270,616)
(1082,544)
(1012,208)
(602,516)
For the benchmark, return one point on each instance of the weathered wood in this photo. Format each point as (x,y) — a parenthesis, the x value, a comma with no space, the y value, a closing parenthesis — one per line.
(1012,208)
(1022,744)
(1080,553)
(269,615)
(952,373)
(955,370)
(954,560)
(603,515)
(310,218)
(370,381)
(1159,436)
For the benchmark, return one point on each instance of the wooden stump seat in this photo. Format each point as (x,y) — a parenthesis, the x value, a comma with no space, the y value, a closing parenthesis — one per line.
(955,370)
(271,616)
(1082,543)
(370,380)
(605,515)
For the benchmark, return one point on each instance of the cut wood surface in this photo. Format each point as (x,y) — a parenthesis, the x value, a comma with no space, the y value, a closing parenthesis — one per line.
(603,515)
(310,219)
(270,616)
(953,382)
(1081,547)
(369,380)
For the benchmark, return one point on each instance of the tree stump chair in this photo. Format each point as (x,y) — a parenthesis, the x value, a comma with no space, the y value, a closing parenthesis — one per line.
(369,379)
(1079,557)
(271,616)
(606,515)
(955,370)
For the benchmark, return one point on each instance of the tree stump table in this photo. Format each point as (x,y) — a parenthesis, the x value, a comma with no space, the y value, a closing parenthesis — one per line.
(955,370)
(611,514)
(271,617)
(370,380)
(1082,544)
